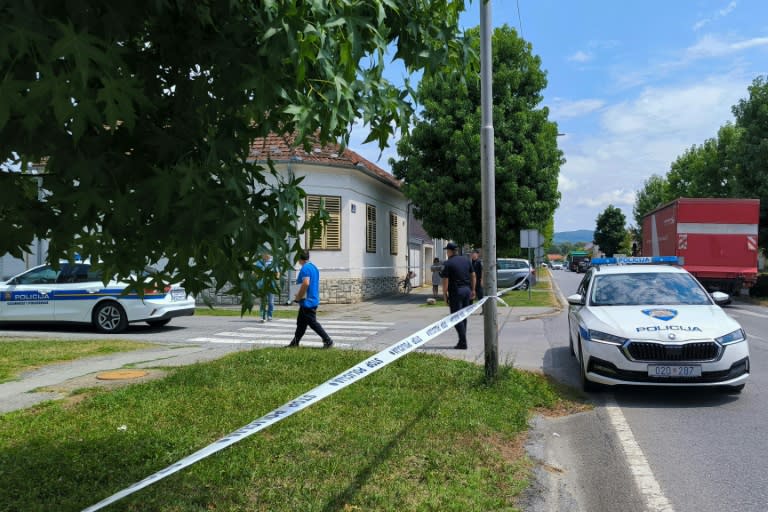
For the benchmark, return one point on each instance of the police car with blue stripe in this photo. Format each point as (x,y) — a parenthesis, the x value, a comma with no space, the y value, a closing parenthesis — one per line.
(76,293)
(646,321)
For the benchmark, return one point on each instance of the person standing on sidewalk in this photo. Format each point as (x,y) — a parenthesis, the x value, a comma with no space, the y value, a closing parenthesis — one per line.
(308,298)
(458,287)
(436,279)
(267,306)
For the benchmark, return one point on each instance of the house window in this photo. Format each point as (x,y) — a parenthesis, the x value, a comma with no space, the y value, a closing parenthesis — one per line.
(370,228)
(392,233)
(330,236)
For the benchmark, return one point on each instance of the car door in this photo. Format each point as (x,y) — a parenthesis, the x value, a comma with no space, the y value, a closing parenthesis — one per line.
(574,311)
(79,292)
(30,296)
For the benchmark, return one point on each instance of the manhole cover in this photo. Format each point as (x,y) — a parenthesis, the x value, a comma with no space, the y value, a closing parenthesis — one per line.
(121,374)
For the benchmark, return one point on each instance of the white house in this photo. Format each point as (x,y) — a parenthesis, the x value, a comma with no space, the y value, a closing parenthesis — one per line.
(365,249)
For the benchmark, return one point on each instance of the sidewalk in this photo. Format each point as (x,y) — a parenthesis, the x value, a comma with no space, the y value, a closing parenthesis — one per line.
(409,312)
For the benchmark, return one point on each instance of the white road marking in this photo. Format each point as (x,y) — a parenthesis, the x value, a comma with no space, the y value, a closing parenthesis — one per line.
(737,312)
(280,332)
(646,483)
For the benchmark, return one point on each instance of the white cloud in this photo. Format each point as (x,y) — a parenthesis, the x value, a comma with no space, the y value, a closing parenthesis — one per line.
(580,57)
(721,13)
(711,46)
(617,197)
(562,109)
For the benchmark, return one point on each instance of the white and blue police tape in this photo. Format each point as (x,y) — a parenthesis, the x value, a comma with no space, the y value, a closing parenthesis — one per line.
(342,380)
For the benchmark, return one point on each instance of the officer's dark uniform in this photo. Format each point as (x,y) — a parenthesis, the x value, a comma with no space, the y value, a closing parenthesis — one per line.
(458,270)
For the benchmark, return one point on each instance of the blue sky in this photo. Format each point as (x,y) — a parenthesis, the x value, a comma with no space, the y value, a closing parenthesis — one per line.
(631,84)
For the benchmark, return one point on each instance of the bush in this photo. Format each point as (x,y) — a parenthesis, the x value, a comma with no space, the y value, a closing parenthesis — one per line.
(761,287)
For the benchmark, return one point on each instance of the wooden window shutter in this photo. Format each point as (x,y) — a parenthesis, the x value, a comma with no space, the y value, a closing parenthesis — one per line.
(370,228)
(393,233)
(330,236)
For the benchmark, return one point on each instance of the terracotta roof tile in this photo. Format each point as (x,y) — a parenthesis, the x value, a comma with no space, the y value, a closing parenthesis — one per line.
(282,149)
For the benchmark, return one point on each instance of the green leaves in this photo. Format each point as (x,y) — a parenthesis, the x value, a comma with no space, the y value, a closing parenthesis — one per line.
(441,157)
(145,111)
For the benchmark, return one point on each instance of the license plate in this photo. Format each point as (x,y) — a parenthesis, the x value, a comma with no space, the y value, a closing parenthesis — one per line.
(674,370)
(178,294)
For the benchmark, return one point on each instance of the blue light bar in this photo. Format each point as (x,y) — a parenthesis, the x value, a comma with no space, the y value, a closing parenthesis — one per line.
(636,260)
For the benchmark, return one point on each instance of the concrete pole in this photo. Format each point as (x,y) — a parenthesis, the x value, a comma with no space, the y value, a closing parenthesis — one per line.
(488,184)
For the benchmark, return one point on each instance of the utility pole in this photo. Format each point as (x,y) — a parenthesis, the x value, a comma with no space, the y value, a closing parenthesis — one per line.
(488,184)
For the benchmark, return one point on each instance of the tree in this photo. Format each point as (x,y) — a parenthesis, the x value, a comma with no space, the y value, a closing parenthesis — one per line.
(654,193)
(440,162)
(707,170)
(610,230)
(143,113)
(752,152)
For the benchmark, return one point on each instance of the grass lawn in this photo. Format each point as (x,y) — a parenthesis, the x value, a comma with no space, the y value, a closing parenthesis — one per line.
(235,311)
(425,433)
(21,355)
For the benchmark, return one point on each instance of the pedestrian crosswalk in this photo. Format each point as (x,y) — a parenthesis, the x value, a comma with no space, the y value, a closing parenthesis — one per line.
(280,332)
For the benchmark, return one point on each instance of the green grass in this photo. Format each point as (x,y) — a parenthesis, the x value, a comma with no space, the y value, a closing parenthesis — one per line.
(541,295)
(235,311)
(425,433)
(20,355)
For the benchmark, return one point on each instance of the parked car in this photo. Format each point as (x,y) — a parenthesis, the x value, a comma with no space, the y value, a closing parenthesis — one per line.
(632,322)
(557,266)
(76,293)
(513,272)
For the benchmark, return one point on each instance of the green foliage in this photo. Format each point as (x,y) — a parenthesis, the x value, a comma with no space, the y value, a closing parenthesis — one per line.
(655,192)
(751,154)
(760,289)
(707,170)
(143,113)
(610,230)
(441,157)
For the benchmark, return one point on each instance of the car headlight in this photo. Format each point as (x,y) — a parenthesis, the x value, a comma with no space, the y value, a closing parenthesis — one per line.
(604,337)
(732,337)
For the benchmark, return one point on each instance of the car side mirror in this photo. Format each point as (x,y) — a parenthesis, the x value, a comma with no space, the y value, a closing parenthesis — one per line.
(576,299)
(721,299)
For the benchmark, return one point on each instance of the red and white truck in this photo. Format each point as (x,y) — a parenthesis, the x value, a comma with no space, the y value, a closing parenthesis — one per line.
(715,239)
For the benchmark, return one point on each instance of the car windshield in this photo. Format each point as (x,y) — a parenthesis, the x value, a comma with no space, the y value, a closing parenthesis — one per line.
(647,289)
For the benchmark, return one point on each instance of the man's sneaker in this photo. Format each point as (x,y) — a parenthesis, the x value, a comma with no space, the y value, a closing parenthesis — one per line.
(292,344)
(269,319)
(328,344)
(460,347)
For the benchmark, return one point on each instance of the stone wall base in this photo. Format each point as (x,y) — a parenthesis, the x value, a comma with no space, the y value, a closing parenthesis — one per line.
(332,291)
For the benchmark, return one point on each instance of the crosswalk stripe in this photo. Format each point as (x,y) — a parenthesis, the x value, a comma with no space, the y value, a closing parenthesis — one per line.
(287,336)
(307,343)
(329,330)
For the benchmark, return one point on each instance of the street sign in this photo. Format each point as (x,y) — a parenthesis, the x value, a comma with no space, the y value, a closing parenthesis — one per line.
(530,238)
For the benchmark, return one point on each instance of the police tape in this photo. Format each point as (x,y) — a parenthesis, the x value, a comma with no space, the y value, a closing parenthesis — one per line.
(337,383)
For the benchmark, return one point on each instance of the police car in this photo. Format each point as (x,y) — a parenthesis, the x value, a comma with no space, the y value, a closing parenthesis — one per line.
(76,293)
(645,321)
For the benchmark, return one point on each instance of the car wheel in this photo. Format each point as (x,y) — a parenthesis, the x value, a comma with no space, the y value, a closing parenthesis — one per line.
(109,317)
(586,384)
(524,286)
(158,323)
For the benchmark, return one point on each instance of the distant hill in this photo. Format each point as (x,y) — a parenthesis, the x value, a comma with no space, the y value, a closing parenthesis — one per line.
(581,235)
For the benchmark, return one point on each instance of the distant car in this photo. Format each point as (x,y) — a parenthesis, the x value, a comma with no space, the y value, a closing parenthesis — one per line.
(557,266)
(514,272)
(653,325)
(583,266)
(76,293)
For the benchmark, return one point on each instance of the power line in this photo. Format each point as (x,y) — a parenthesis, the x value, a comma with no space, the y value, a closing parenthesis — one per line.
(519,19)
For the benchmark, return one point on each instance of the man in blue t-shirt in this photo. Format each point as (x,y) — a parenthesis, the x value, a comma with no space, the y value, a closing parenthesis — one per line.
(308,298)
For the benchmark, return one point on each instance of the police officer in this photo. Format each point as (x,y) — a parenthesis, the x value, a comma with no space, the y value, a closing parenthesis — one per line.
(458,287)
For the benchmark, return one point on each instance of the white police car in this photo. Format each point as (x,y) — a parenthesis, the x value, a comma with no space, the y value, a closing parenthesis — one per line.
(76,293)
(639,321)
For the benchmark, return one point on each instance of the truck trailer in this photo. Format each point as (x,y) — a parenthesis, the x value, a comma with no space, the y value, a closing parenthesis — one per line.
(715,239)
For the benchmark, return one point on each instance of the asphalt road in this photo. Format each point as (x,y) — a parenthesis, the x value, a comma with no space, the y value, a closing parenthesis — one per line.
(695,449)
